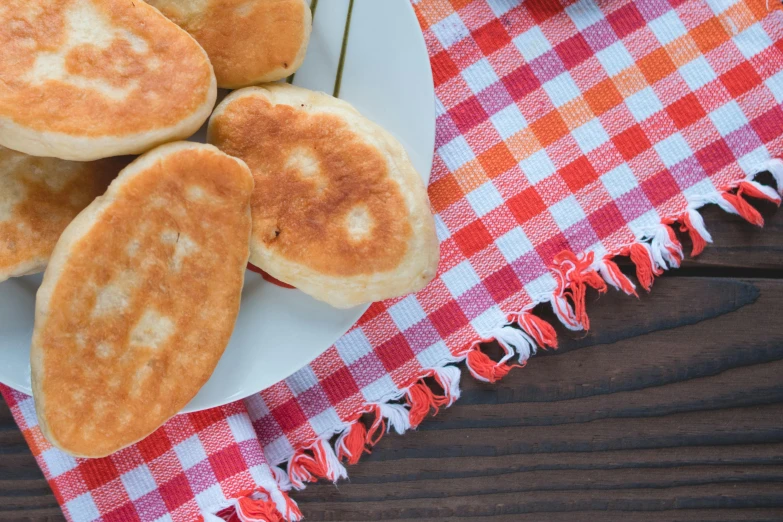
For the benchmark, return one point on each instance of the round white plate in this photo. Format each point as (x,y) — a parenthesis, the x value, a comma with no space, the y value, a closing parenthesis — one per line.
(386,75)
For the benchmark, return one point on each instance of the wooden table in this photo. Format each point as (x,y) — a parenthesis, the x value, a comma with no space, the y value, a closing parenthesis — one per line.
(671,408)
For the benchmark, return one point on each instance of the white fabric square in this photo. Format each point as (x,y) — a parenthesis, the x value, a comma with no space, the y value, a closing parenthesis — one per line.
(718,6)
(619,181)
(406,313)
(668,27)
(58,462)
(450,30)
(508,121)
(27,409)
(256,407)
(165,518)
(326,420)
(514,244)
(279,450)
(82,509)
(485,323)
(380,389)
(562,89)
(750,162)
(441,229)
(697,73)
(460,279)
(138,482)
(434,356)
(302,380)
(615,58)
(752,40)
(479,76)
(537,167)
(567,212)
(590,136)
(261,474)
(728,118)
(541,288)
(704,186)
(485,199)
(210,497)
(440,109)
(775,84)
(353,346)
(584,13)
(456,153)
(643,104)
(645,222)
(598,249)
(673,149)
(190,452)
(532,44)
(500,7)
(240,427)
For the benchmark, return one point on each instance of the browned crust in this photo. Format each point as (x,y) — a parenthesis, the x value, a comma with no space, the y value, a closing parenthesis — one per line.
(248,41)
(98,384)
(48,204)
(165,83)
(303,217)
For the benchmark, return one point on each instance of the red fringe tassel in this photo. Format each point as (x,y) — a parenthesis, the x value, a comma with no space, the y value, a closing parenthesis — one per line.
(354,443)
(377,429)
(645,270)
(750,190)
(252,509)
(621,279)
(698,242)
(576,275)
(743,208)
(484,368)
(541,331)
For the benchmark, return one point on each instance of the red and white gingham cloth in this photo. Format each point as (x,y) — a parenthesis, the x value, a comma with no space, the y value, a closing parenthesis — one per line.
(568,133)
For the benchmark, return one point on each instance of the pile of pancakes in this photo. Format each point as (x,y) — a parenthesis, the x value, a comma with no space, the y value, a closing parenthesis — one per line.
(145,257)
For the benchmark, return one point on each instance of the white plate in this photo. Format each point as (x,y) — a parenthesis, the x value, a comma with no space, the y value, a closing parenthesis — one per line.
(386,75)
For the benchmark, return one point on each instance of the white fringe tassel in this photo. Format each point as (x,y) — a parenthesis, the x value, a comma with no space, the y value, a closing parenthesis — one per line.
(661,247)
(397,417)
(448,377)
(514,342)
(698,224)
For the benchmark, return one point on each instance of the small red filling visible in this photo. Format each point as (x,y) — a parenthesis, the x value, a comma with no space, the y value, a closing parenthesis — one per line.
(267,277)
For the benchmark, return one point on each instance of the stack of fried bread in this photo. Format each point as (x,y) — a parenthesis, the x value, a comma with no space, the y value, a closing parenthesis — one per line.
(295,182)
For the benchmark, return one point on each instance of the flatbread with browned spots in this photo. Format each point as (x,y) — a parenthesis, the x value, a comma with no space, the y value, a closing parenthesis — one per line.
(38,198)
(88,79)
(248,41)
(140,298)
(338,209)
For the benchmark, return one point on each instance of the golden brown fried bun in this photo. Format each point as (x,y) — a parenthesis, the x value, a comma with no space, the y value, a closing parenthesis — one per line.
(338,210)
(248,41)
(38,198)
(88,79)
(140,298)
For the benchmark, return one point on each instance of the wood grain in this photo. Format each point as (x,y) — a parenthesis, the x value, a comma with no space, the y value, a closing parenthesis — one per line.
(671,408)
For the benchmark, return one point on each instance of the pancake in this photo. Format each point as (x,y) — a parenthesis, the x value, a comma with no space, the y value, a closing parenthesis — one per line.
(38,198)
(339,212)
(88,79)
(140,298)
(248,41)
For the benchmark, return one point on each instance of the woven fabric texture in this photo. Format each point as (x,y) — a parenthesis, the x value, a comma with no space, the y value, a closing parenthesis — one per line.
(568,133)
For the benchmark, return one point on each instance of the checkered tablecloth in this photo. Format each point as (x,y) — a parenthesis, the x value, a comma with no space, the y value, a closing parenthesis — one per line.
(567,134)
